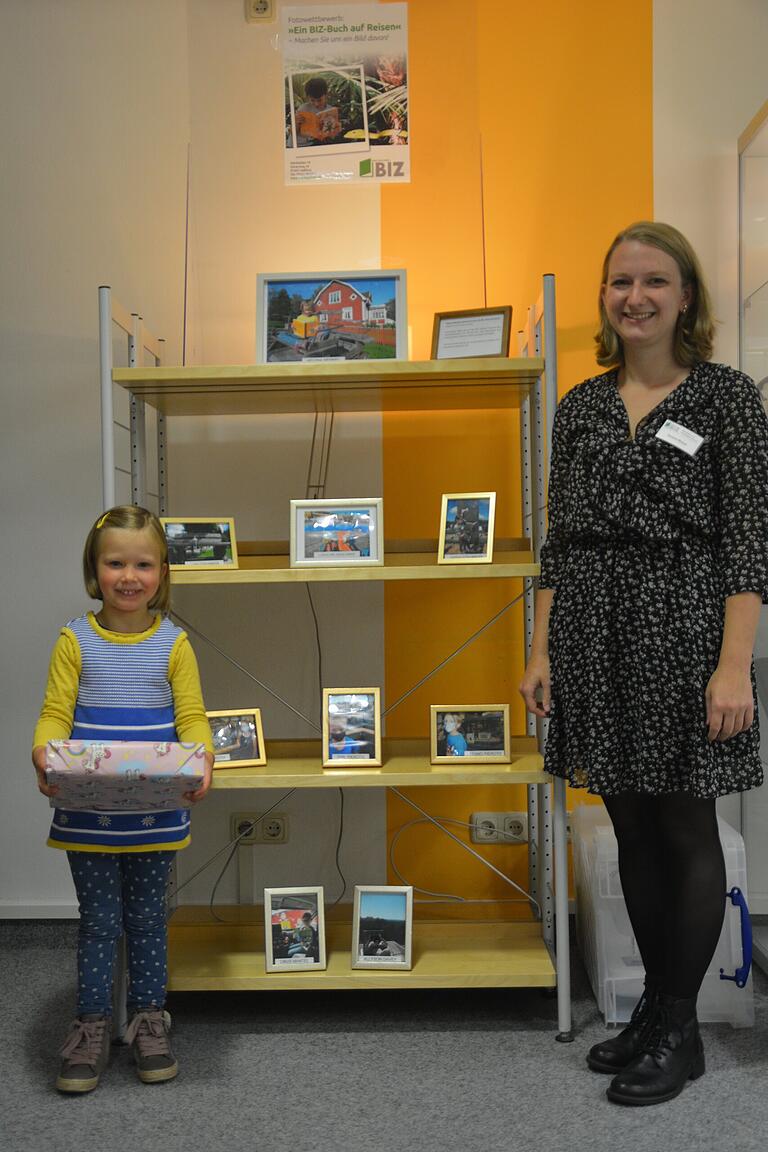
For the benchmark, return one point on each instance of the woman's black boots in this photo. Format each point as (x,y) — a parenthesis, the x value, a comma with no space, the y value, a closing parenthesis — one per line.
(613,1055)
(671,1053)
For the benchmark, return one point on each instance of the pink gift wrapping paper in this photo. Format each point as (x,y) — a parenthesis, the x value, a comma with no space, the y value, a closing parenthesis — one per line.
(127,775)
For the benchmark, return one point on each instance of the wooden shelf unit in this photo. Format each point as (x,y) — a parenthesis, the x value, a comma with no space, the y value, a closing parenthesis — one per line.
(208,955)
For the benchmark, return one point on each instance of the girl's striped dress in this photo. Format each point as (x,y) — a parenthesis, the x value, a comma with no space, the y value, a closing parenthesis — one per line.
(124,693)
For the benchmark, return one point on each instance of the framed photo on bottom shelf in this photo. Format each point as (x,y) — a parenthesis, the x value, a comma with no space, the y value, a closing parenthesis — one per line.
(294,929)
(382,927)
(466,528)
(345,533)
(476,732)
(200,542)
(238,739)
(351,728)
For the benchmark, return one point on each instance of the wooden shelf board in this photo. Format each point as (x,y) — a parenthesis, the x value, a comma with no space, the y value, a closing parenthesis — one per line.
(446,954)
(350,386)
(298,764)
(400,566)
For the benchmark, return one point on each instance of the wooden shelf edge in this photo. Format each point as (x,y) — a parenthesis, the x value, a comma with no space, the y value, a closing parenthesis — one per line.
(406,764)
(417,566)
(350,373)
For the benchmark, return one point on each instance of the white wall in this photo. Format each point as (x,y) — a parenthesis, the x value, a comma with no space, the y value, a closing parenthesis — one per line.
(102,102)
(93,139)
(709,80)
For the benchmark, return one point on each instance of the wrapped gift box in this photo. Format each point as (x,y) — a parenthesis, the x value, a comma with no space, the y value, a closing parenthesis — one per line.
(127,775)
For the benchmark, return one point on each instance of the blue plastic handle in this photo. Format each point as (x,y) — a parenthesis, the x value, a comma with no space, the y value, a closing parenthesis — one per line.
(741,975)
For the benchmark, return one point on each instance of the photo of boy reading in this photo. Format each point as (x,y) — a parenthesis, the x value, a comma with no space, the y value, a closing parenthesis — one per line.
(317,121)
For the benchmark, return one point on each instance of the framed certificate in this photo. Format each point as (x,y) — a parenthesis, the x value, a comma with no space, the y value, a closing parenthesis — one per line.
(474,332)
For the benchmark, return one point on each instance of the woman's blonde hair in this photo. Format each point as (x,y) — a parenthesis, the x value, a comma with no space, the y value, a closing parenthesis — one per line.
(135,519)
(695,331)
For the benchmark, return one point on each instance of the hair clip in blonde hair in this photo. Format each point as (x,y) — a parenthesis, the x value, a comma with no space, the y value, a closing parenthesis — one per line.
(100,523)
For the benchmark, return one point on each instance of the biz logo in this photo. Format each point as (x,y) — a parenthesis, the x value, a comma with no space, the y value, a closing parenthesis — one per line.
(382,169)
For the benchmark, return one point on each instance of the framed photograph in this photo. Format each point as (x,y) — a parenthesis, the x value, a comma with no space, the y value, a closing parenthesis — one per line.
(476,732)
(294,929)
(351,728)
(331,316)
(466,528)
(382,926)
(238,738)
(200,542)
(339,533)
(473,332)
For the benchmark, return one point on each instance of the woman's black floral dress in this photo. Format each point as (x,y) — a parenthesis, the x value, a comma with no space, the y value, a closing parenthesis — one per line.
(644,544)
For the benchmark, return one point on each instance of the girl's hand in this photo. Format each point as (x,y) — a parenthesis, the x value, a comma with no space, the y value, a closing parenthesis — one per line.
(730,704)
(535,686)
(38,759)
(200,792)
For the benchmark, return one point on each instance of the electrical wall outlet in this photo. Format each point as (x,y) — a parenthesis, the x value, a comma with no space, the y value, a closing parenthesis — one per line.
(499,827)
(252,829)
(516,827)
(257,11)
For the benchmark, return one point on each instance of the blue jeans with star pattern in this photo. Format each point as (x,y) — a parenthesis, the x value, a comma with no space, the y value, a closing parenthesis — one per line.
(121,892)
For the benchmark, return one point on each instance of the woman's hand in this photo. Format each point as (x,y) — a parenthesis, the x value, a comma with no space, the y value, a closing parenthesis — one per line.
(38,759)
(200,792)
(730,704)
(535,687)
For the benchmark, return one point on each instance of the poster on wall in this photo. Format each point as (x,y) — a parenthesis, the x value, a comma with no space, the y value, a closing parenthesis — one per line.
(345,79)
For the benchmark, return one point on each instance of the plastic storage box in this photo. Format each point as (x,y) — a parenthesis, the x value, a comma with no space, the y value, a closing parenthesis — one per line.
(605,935)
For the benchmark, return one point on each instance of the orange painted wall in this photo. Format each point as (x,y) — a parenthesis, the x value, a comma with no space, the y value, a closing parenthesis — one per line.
(558,100)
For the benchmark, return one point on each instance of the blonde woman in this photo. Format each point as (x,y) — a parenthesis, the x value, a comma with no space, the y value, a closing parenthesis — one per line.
(652,576)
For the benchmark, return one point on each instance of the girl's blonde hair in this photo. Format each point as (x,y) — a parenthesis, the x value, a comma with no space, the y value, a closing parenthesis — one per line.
(695,331)
(135,519)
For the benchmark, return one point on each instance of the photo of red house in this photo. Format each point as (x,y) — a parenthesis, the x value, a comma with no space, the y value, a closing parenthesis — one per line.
(340,304)
(339,316)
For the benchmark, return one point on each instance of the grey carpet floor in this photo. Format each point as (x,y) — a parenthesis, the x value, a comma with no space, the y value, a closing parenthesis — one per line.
(306,1072)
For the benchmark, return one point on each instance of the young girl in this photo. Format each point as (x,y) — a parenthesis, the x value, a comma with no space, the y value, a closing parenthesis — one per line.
(123,673)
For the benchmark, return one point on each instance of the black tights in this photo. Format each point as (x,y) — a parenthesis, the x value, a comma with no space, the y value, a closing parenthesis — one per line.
(673,876)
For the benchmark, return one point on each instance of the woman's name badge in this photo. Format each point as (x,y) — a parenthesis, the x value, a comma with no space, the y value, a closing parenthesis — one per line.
(680,437)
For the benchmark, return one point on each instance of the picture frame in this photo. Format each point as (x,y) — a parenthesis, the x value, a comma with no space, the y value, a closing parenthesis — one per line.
(471,332)
(201,542)
(467,522)
(343,533)
(313,317)
(476,733)
(238,738)
(294,929)
(382,927)
(351,728)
